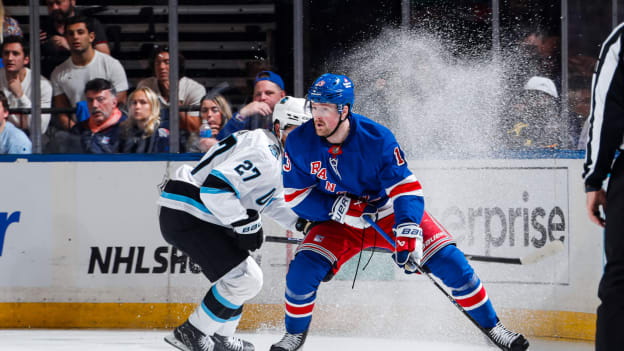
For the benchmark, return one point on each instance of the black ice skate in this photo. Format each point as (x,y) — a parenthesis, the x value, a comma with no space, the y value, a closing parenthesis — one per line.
(230,343)
(506,339)
(188,338)
(290,342)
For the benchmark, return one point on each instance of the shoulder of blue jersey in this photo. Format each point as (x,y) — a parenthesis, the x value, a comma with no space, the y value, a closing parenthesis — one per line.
(371,129)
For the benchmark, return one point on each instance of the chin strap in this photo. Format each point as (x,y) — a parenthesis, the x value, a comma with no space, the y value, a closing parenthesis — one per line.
(338,125)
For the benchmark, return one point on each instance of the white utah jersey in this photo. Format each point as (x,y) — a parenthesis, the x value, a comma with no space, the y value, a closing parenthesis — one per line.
(242,171)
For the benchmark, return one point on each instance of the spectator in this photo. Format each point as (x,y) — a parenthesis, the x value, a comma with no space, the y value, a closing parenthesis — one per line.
(10,26)
(216,111)
(99,134)
(84,64)
(12,139)
(579,97)
(190,92)
(140,133)
(16,83)
(545,44)
(268,91)
(535,120)
(55,47)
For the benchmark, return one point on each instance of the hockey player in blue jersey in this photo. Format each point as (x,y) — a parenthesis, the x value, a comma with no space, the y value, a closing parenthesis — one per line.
(341,166)
(211,213)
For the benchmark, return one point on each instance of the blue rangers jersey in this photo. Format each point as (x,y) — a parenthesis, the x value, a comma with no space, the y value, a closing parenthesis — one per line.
(242,171)
(369,165)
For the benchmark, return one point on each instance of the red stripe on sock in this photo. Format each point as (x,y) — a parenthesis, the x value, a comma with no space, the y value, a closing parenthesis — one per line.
(299,310)
(472,300)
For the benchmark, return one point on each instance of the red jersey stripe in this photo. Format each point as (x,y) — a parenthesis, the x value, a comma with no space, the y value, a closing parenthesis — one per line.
(405,188)
(292,196)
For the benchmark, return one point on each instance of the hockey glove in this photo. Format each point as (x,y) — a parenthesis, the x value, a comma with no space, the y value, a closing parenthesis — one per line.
(249,231)
(304,226)
(409,246)
(345,206)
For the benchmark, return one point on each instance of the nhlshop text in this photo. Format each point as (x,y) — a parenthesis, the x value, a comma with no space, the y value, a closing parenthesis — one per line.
(138,260)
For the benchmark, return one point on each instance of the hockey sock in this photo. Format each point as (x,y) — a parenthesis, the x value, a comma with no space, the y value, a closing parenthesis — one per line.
(213,312)
(305,273)
(229,328)
(450,265)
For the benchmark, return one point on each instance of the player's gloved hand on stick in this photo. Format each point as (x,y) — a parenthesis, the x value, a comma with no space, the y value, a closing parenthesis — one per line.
(249,231)
(345,206)
(409,246)
(304,226)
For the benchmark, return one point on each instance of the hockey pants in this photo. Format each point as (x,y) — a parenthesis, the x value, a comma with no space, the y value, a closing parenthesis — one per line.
(308,269)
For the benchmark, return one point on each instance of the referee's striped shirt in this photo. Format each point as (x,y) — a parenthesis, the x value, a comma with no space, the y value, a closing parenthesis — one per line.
(606,118)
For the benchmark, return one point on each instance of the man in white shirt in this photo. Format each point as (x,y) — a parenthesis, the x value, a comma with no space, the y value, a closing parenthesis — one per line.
(190,92)
(16,83)
(54,45)
(84,64)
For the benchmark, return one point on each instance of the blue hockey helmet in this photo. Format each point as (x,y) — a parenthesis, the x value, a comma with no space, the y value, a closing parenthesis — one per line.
(332,89)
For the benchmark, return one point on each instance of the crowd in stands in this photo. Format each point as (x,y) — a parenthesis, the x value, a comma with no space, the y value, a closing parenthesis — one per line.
(102,113)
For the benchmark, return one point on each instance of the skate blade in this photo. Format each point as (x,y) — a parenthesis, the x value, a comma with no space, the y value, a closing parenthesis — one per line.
(171,340)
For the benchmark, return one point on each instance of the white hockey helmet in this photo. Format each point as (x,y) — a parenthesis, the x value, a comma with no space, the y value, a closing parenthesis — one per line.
(291,111)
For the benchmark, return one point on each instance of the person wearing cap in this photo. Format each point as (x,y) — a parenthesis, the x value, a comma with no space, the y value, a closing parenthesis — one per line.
(268,91)
(534,120)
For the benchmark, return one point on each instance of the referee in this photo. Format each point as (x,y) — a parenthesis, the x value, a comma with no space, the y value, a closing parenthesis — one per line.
(606,134)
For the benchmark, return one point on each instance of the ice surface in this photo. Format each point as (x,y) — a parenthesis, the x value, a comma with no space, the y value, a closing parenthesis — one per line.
(104,340)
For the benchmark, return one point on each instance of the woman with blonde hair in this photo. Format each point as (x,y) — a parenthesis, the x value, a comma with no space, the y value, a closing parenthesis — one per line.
(140,132)
(216,111)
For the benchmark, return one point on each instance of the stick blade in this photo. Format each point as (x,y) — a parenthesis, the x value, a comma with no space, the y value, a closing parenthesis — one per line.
(550,249)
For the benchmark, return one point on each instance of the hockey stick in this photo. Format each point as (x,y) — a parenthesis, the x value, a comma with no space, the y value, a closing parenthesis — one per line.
(426,273)
(549,249)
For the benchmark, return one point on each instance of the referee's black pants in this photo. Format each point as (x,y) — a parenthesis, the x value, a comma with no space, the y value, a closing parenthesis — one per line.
(610,323)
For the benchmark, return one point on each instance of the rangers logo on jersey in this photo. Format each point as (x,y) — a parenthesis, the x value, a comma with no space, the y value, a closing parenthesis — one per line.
(315,168)
(333,162)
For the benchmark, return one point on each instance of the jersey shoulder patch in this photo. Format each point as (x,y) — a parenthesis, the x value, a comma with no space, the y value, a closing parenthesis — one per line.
(275,151)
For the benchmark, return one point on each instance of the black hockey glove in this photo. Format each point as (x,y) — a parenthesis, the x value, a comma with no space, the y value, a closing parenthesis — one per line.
(249,231)
(304,226)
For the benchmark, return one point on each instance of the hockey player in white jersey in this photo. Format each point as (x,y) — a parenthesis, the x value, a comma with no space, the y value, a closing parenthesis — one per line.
(212,213)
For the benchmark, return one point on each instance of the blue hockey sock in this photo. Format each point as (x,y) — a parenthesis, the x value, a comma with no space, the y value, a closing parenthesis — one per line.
(450,265)
(305,273)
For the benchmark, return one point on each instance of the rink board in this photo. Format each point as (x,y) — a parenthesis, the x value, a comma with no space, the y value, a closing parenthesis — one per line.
(81,247)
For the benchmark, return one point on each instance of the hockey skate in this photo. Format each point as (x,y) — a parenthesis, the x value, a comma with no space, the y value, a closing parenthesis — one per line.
(506,339)
(230,343)
(188,338)
(290,342)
